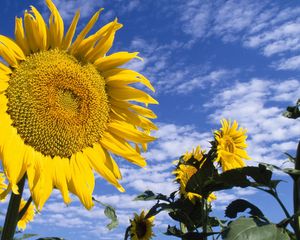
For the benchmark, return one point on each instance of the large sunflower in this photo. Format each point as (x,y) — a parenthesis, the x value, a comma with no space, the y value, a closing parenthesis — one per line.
(141,227)
(231,145)
(185,169)
(65,106)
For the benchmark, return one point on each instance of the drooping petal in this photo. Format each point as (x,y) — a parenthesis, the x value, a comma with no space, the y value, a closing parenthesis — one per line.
(120,147)
(82,179)
(60,176)
(127,131)
(97,157)
(146,112)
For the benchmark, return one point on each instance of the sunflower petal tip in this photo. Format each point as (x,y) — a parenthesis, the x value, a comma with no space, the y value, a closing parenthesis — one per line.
(15,189)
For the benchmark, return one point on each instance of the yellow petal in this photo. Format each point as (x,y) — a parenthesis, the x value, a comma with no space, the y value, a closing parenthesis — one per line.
(132,118)
(136,108)
(130,93)
(118,76)
(8,55)
(13,159)
(20,36)
(61,166)
(97,157)
(9,43)
(127,131)
(104,44)
(114,60)
(82,180)
(120,147)
(4,69)
(3,84)
(56,26)
(67,40)
(38,29)
(84,32)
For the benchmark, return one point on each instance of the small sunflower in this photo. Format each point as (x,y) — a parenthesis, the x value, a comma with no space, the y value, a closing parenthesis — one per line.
(141,227)
(231,145)
(28,215)
(185,170)
(66,106)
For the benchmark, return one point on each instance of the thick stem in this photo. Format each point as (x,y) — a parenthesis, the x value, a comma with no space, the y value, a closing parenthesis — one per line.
(297,195)
(12,213)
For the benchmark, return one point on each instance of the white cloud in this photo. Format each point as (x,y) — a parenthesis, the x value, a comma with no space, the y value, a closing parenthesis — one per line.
(256,24)
(292,63)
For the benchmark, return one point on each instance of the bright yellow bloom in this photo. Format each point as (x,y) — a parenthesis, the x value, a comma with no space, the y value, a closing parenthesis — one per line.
(141,227)
(65,106)
(185,171)
(28,215)
(3,187)
(231,144)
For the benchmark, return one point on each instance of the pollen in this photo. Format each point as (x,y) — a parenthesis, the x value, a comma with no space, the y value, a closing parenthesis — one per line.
(58,105)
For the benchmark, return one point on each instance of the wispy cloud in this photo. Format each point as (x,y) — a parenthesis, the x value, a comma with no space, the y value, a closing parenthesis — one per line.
(255,24)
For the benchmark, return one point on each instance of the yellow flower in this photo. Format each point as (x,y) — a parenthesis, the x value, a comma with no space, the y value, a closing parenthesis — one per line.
(65,106)
(184,171)
(231,144)
(28,215)
(141,227)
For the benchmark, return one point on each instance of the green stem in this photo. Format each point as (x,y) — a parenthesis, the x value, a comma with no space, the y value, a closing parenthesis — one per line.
(281,204)
(24,209)
(11,218)
(297,195)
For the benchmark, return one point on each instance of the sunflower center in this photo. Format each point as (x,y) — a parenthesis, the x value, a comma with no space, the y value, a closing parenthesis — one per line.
(57,104)
(141,229)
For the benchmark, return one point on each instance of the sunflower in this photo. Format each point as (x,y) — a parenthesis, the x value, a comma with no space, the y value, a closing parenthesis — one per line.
(66,107)
(185,170)
(141,227)
(3,186)
(28,215)
(231,144)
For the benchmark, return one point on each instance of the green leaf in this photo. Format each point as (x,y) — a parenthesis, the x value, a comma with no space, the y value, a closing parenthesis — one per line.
(111,214)
(149,195)
(253,229)
(239,177)
(293,111)
(240,205)
(173,231)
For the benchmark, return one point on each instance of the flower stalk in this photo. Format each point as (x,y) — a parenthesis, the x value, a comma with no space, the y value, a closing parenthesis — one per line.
(297,194)
(12,214)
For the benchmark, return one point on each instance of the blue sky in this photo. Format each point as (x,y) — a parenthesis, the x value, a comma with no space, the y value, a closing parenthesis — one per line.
(207,60)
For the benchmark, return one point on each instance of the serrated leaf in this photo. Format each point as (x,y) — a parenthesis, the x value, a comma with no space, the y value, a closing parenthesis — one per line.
(173,231)
(240,205)
(253,229)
